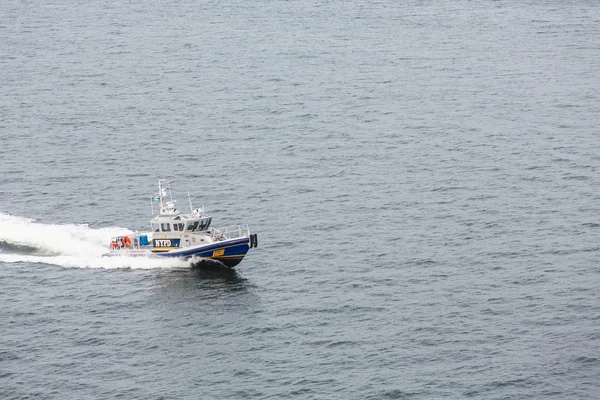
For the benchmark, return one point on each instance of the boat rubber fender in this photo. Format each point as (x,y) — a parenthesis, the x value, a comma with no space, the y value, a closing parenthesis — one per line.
(253,240)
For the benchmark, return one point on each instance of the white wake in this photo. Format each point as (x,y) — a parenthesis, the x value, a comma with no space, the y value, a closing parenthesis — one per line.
(70,246)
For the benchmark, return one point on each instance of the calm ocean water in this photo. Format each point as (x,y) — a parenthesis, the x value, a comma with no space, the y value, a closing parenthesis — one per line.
(423,178)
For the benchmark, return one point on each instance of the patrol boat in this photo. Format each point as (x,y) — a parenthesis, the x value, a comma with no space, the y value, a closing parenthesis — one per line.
(185,235)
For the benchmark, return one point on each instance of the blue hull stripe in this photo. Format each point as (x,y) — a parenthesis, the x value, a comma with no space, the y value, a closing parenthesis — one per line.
(235,247)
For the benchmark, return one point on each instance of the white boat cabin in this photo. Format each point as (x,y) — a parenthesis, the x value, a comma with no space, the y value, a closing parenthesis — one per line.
(169,225)
(171,222)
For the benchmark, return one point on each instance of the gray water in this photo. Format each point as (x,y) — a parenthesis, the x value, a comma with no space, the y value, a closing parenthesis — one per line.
(423,178)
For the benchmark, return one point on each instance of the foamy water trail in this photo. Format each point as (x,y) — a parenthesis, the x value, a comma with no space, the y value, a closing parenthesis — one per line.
(70,246)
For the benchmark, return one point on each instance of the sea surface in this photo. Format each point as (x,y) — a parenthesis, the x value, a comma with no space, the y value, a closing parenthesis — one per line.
(423,177)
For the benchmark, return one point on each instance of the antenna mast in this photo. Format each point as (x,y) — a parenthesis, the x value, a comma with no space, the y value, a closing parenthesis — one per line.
(161,192)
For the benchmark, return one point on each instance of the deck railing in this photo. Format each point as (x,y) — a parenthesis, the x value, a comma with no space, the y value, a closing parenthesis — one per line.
(231,232)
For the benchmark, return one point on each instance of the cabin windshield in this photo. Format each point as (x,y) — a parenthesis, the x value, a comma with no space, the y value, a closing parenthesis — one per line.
(204,224)
(192,225)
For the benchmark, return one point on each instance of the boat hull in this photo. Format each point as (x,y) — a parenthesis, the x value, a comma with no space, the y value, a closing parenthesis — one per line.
(228,252)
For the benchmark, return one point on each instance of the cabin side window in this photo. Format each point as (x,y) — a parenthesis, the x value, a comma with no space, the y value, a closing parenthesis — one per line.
(178,227)
(155,228)
(165,227)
